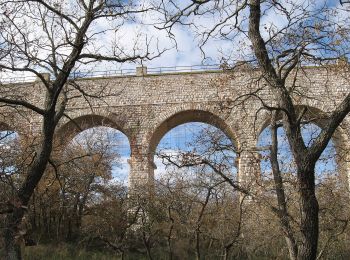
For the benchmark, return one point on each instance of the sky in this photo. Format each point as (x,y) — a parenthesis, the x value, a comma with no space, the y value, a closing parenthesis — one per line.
(325,166)
(186,53)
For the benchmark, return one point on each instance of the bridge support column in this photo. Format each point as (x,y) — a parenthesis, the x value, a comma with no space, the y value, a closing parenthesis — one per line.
(342,159)
(249,169)
(141,187)
(141,177)
(343,164)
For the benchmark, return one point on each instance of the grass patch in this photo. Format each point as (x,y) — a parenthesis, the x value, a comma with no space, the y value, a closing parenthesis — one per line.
(65,252)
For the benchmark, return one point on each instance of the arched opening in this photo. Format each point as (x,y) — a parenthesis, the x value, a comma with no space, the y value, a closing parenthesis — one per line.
(89,135)
(13,154)
(103,147)
(194,139)
(195,147)
(9,152)
(13,163)
(87,174)
(191,158)
(186,117)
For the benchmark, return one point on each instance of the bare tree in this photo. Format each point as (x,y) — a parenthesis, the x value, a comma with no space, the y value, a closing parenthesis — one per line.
(309,34)
(56,37)
(202,180)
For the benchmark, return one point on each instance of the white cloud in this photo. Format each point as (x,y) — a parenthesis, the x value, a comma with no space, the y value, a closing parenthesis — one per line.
(121,172)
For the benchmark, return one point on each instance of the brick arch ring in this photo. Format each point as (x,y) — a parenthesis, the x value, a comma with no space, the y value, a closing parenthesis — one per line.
(76,125)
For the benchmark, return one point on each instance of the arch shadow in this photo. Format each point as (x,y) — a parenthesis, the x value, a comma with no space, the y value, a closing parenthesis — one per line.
(6,127)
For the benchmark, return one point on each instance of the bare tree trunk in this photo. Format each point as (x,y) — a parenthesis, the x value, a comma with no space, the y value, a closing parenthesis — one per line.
(170,233)
(305,162)
(282,211)
(81,203)
(309,215)
(12,242)
(199,220)
(147,245)
(12,233)
(198,251)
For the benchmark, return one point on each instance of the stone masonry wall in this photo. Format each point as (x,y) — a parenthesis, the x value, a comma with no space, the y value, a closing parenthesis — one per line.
(145,107)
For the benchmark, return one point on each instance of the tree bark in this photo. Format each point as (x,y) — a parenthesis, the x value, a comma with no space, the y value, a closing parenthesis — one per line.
(309,215)
(11,234)
(13,219)
(282,210)
(305,161)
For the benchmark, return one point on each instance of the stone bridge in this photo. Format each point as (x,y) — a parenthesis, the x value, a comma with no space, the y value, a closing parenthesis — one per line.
(146,106)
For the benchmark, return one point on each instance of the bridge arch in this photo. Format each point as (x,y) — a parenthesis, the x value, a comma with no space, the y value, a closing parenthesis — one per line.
(21,134)
(11,149)
(246,163)
(78,124)
(105,133)
(187,116)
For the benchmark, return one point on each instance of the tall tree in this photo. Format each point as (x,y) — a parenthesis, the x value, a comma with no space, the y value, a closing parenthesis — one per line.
(303,33)
(56,37)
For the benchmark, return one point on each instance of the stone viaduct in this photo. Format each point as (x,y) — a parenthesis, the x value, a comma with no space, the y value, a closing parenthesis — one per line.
(145,106)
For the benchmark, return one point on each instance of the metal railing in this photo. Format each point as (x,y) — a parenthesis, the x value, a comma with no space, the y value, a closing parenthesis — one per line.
(17,79)
(152,70)
(119,73)
(175,69)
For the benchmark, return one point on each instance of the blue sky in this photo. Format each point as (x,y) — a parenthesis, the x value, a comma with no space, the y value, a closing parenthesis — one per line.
(326,164)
